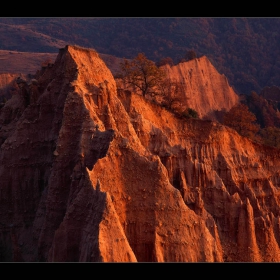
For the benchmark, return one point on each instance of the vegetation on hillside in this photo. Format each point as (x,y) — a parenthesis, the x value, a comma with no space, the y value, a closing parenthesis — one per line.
(257,118)
(242,120)
(246,50)
(143,76)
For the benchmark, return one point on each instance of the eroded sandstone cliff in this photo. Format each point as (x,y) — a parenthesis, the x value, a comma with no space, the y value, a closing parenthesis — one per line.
(89,174)
(205,89)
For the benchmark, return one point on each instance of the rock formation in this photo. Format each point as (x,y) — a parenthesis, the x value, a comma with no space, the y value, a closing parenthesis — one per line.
(8,84)
(92,174)
(206,90)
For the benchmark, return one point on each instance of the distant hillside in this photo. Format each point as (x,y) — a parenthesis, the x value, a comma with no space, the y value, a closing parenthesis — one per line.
(29,62)
(23,62)
(245,50)
(26,39)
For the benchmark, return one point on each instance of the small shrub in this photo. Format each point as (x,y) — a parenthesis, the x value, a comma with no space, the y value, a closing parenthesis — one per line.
(190,113)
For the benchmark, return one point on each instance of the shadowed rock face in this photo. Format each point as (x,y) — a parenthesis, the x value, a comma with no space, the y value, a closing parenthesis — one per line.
(8,86)
(91,175)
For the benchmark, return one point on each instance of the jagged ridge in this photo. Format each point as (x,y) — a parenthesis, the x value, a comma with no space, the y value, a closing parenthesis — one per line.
(89,174)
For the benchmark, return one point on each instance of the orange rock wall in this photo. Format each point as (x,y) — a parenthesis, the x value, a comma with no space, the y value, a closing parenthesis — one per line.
(91,175)
(206,90)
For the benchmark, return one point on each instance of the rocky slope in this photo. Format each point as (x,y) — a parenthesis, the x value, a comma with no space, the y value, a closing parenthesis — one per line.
(89,174)
(8,84)
(205,89)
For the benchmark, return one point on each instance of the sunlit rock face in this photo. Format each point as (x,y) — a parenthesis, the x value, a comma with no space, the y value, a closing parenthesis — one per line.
(205,89)
(89,174)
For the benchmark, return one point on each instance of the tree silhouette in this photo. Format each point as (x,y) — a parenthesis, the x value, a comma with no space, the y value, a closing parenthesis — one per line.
(165,60)
(172,94)
(191,54)
(143,74)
